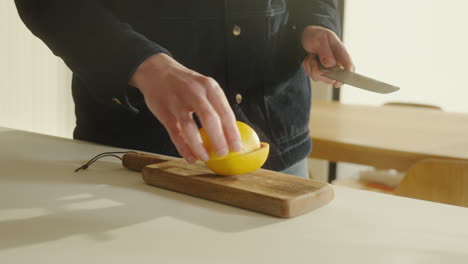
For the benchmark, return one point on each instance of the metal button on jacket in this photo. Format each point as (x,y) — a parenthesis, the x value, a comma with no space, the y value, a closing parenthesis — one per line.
(238,98)
(236,30)
(117,101)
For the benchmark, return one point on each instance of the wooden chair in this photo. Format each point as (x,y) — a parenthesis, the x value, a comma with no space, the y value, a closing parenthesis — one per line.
(435,107)
(437,180)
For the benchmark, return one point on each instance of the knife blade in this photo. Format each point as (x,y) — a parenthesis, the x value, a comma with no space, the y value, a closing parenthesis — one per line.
(357,80)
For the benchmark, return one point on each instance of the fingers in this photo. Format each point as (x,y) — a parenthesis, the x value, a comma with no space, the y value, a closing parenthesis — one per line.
(175,133)
(337,84)
(212,124)
(326,55)
(228,121)
(322,44)
(310,65)
(316,41)
(207,99)
(344,59)
(173,93)
(177,138)
(189,133)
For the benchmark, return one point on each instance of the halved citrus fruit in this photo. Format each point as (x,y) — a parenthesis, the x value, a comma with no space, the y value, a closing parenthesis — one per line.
(252,156)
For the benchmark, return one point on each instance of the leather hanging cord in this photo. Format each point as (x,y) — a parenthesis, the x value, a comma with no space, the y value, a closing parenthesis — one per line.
(102,155)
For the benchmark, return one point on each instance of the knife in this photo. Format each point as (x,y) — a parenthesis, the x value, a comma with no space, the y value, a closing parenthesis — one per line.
(357,80)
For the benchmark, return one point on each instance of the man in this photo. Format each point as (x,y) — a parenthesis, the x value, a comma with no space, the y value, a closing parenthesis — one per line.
(142,69)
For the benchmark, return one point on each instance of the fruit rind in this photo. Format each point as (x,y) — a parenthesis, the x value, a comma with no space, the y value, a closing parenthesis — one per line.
(241,163)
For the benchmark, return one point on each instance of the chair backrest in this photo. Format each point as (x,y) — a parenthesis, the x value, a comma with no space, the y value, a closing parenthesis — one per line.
(437,180)
(435,107)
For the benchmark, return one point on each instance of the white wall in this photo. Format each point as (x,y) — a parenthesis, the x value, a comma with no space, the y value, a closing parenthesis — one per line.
(419,45)
(35,92)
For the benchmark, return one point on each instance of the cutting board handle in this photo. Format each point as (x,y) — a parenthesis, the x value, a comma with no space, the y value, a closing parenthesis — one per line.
(137,161)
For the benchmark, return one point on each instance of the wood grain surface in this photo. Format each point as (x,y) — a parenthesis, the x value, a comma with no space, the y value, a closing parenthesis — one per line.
(263,191)
(136,161)
(443,181)
(386,137)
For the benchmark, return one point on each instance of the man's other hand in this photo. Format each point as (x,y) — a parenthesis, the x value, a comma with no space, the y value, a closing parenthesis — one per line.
(324,45)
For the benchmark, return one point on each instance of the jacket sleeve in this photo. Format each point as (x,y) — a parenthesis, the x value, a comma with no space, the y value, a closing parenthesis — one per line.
(100,49)
(323,13)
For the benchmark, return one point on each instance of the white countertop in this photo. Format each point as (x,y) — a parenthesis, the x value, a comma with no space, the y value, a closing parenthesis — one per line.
(106,214)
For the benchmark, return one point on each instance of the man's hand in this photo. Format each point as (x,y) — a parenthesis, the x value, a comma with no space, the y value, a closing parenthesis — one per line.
(324,45)
(173,93)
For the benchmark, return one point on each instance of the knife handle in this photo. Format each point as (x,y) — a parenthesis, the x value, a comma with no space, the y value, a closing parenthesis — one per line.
(137,161)
(329,69)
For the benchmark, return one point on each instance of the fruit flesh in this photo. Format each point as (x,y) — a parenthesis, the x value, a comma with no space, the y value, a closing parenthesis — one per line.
(252,156)
(241,163)
(249,139)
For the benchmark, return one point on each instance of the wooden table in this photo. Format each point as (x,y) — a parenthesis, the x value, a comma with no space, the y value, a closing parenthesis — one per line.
(386,137)
(50,214)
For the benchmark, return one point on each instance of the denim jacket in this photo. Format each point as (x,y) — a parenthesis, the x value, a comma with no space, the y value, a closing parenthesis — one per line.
(251,47)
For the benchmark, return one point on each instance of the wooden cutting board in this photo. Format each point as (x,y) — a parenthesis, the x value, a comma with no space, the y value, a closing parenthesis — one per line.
(263,191)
